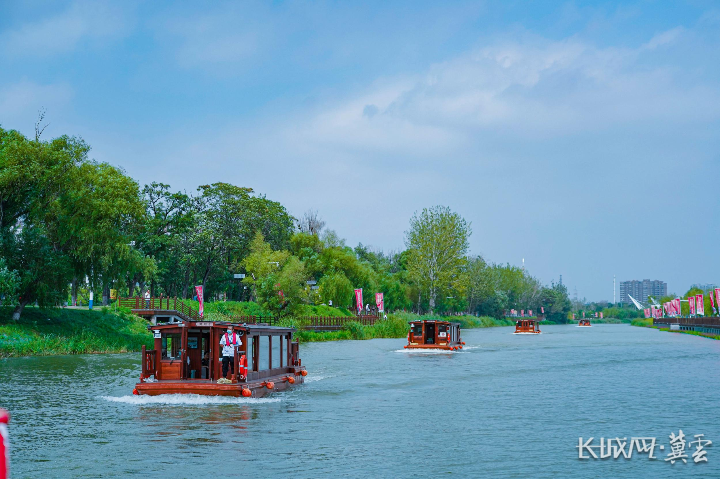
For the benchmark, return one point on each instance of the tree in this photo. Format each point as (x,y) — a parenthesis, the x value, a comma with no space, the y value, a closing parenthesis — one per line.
(9,282)
(556,302)
(438,242)
(61,216)
(337,288)
(311,223)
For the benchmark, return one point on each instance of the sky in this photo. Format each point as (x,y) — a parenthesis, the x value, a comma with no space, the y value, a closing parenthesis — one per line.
(582,136)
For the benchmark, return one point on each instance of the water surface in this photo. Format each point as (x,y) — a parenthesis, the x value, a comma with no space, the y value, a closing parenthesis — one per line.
(506,406)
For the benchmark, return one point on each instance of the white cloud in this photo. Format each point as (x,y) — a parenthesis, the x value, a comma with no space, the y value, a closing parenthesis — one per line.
(61,33)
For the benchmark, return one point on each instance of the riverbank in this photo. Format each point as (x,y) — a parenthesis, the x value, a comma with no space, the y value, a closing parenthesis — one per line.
(44,332)
(395,326)
(648,323)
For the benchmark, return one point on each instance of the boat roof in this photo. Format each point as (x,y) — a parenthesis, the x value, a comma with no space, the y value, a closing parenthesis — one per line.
(222,325)
(438,321)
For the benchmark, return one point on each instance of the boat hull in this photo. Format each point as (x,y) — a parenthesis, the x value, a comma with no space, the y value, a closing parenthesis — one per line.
(527,332)
(257,389)
(443,347)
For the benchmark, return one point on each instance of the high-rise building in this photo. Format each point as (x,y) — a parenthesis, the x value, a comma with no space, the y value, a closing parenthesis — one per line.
(704,286)
(640,290)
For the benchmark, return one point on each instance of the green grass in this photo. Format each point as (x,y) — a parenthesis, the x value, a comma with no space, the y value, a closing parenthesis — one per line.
(642,322)
(42,332)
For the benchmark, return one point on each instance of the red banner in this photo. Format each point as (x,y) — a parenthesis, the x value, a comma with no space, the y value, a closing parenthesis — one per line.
(647,312)
(380,302)
(700,305)
(4,445)
(199,294)
(522,313)
(530,312)
(601,315)
(358,300)
(678,306)
(717,297)
(691,304)
(542,309)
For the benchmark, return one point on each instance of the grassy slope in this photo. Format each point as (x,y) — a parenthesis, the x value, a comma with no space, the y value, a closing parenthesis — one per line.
(68,331)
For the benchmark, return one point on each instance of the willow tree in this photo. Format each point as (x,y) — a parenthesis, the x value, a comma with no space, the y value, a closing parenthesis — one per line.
(438,243)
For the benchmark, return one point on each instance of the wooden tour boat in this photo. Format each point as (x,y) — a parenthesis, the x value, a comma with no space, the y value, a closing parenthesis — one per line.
(527,326)
(434,335)
(187,360)
(584,323)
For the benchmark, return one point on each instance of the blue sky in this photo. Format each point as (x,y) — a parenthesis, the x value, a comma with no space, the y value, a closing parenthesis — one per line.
(581,136)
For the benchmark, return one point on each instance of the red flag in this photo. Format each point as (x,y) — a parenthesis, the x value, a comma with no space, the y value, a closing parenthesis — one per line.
(717,297)
(691,304)
(199,293)
(542,309)
(359,300)
(380,302)
(601,315)
(700,305)
(4,445)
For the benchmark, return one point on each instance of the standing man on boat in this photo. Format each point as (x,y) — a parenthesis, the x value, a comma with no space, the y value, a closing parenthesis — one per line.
(229,341)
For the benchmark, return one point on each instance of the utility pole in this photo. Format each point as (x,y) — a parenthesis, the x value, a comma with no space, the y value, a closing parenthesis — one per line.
(613,290)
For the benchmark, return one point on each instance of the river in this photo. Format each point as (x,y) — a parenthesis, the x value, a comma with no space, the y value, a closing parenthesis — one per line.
(506,406)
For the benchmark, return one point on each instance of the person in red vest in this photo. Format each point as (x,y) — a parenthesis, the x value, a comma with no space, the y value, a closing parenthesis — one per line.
(229,341)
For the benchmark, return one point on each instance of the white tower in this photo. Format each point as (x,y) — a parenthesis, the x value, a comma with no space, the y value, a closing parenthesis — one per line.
(613,290)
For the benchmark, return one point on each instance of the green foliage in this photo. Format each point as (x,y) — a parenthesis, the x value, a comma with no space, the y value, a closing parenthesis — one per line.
(556,303)
(9,282)
(438,244)
(65,331)
(337,288)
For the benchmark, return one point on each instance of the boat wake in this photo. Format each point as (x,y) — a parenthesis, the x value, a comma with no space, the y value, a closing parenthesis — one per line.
(312,379)
(427,351)
(186,399)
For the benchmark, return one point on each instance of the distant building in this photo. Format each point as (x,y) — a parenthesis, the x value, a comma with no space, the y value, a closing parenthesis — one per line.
(704,287)
(640,290)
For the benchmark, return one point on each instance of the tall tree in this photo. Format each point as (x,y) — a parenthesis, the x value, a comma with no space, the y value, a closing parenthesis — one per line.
(438,244)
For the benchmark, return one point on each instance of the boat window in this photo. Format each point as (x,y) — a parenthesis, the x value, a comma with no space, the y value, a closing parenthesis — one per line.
(249,357)
(171,346)
(417,330)
(264,342)
(276,351)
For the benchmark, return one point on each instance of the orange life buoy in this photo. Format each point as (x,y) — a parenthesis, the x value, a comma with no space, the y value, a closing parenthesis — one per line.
(135,392)
(269,385)
(291,380)
(246,392)
(303,372)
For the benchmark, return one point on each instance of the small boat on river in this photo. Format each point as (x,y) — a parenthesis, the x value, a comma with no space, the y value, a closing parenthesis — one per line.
(187,359)
(433,334)
(527,326)
(585,323)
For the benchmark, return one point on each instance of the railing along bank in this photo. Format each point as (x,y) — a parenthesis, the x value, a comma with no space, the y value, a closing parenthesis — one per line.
(192,314)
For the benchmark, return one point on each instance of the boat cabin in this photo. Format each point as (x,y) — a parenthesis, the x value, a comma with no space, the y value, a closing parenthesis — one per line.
(527,326)
(434,335)
(187,358)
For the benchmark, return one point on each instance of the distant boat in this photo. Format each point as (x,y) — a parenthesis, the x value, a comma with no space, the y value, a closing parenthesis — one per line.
(432,334)
(527,326)
(584,323)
